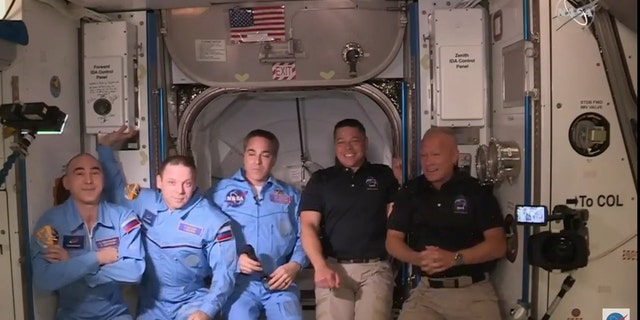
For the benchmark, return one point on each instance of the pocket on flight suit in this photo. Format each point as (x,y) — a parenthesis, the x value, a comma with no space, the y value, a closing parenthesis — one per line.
(282,234)
(193,262)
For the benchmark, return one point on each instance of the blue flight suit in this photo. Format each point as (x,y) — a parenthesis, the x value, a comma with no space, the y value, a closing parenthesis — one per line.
(183,247)
(87,290)
(269,223)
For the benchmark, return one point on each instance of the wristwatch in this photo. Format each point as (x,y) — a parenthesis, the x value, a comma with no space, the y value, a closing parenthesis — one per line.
(458,259)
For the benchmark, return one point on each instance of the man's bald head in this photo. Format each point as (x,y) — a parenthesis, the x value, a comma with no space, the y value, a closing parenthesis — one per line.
(446,135)
(84,179)
(438,155)
(77,159)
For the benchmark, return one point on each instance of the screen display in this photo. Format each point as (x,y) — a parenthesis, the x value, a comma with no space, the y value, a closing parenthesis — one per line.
(531,214)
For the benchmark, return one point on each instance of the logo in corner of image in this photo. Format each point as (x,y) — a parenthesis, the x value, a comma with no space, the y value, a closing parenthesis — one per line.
(616,314)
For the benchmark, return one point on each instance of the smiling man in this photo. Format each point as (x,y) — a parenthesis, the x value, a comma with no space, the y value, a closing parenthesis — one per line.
(85,247)
(343,212)
(185,237)
(455,235)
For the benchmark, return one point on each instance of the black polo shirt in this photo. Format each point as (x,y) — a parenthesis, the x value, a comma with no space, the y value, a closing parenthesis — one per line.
(452,218)
(353,208)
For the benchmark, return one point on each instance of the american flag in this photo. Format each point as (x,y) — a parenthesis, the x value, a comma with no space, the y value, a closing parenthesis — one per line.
(265,23)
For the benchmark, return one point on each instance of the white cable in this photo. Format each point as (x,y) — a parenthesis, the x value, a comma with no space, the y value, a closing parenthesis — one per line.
(614,248)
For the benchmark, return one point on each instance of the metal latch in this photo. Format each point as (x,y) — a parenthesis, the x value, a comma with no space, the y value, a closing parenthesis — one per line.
(351,54)
(281,51)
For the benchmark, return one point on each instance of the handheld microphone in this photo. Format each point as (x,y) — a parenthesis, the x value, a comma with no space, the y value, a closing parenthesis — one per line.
(251,253)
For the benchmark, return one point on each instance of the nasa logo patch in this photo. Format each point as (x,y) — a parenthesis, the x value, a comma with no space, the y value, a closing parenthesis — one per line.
(460,205)
(371,183)
(235,198)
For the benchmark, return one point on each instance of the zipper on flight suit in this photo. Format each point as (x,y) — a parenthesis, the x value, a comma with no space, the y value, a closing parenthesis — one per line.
(258,199)
(90,232)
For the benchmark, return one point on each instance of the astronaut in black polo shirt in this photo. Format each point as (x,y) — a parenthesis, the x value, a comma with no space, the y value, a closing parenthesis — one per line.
(455,237)
(344,212)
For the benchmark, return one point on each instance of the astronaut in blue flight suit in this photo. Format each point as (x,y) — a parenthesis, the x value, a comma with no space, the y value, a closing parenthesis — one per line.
(264,214)
(84,248)
(185,237)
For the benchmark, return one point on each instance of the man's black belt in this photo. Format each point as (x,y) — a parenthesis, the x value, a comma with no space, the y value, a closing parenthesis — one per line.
(357,260)
(454,282)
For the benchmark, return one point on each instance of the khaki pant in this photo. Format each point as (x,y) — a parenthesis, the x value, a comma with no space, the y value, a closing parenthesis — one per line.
(365,292)
(475,302)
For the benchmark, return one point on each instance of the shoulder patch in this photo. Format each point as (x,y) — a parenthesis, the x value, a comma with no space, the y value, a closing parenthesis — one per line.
(47,236)
(131,191)
(224,234)
(130,224)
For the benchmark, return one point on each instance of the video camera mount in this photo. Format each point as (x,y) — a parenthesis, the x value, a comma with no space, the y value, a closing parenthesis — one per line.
(29,119)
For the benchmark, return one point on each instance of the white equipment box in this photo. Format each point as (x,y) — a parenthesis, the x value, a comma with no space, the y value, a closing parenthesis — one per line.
(460,81)
(110,79)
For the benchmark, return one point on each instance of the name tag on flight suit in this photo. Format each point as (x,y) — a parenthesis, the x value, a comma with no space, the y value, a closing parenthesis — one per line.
(109,242)
(73,242)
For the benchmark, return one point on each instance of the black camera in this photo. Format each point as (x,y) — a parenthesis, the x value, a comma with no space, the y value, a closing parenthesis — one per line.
(34,117)
(565,250)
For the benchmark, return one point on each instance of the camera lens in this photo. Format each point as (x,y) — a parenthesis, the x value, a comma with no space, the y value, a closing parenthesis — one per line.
(559,250)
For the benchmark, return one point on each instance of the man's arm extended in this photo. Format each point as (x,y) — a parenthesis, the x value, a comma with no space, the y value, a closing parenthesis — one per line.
(223,259)
(310,237)
(299,256)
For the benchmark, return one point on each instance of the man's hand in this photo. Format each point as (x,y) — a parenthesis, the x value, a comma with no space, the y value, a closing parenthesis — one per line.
(436,260)
(117,137)
(55,253)
(283,276)
(424,261)
(107,255)
(199,315)
(325,277)
(396,167)
(248,265)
